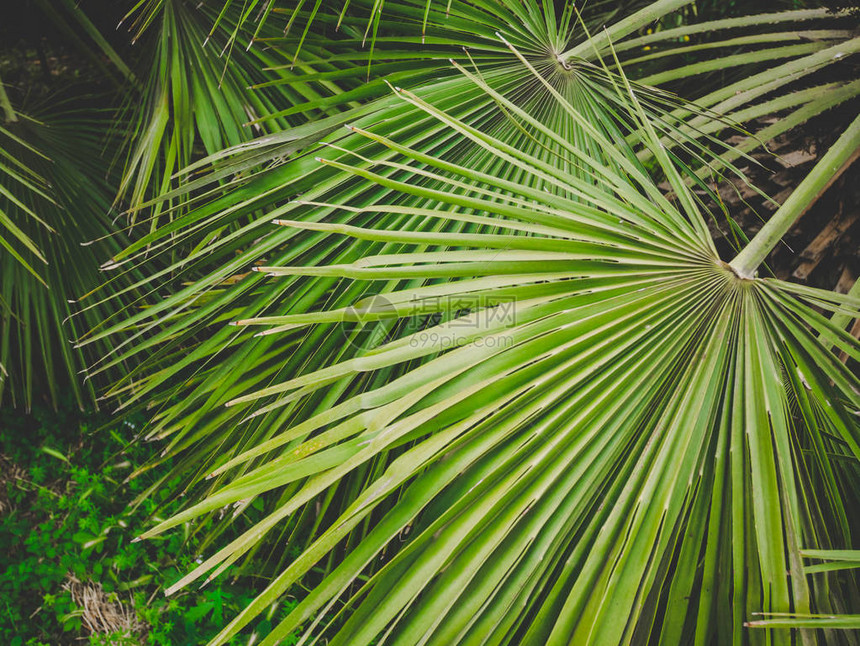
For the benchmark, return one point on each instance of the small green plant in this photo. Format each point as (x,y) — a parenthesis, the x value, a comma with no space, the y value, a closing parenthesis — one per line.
(69,569)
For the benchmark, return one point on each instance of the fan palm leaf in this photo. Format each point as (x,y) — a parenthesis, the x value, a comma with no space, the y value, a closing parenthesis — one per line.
(55,197)
(196,241)
(63,204)
(551,470)
(542,42)
(648,399)
(193,97)
(583,83)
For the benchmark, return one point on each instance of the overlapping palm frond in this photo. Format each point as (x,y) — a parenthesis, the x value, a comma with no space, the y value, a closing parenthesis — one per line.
(63,204)
(56,189)
(744,67)
(414,53)
(767,67)
(411,45)
(194,99)
(200,231)
(616,443)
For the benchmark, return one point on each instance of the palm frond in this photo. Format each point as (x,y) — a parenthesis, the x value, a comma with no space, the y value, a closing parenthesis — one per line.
(551,463)
(60,202)
(195,98)
(17,175)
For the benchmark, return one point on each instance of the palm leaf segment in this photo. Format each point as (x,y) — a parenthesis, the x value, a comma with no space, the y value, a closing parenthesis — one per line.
(588,472)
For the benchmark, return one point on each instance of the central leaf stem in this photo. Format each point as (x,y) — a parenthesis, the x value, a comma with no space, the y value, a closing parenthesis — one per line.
(819,178)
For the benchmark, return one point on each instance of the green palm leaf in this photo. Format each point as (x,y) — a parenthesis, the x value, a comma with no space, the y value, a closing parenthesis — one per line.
(588,472)
(57,197)
(16,175)
(635,418)
(195,98)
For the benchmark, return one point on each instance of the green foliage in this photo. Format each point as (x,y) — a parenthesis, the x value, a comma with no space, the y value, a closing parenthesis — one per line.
(57,186)
(63,144)
(452,493)
(652,453)
(65,519)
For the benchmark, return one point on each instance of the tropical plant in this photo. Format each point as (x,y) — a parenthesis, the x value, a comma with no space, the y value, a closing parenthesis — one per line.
(653,420)
(415,49)
(59,200)
(63,143)
(56,190)
(535,406)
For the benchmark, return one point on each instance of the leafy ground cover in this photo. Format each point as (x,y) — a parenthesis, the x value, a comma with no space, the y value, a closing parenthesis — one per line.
(69,570)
